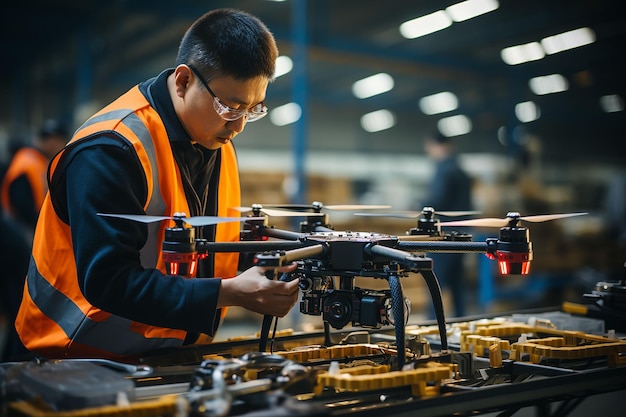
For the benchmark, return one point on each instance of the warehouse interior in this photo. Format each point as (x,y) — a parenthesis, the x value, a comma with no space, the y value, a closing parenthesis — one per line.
(536,151)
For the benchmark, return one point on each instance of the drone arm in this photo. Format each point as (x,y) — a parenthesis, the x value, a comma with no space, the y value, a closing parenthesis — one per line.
(397,255)
(313,251)
(276,259)
(444,246)
(281,234)
(204,246)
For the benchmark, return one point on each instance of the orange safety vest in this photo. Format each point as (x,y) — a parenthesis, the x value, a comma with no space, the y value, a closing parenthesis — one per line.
(33,164)
(54,319)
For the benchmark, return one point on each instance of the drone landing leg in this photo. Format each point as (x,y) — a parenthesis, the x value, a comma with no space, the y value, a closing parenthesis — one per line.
(397,307)
(435,295)
(327,341)
(267,319)
(265,331)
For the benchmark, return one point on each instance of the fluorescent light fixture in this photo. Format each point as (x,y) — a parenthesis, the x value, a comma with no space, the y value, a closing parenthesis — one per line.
(378,120)
(548,84)
(439,103)
(286,114)
(284,65)
(527,111)
(454,125)
(424,25)
(612,103)
(518,54)
(533,51)
(568,40)
(471,8)
(373,85)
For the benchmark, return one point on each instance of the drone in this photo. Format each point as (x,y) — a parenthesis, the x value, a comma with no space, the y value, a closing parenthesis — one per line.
(328,261)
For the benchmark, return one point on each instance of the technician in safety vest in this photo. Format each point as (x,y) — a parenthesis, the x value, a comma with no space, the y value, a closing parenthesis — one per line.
(96,285)
(24,184)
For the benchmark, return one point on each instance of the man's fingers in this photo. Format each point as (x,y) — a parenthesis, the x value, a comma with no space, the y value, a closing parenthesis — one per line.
(287,268)
(271,273)
(293,286)
(286,288)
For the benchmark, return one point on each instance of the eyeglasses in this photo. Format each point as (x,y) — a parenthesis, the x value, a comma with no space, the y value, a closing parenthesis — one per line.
(228,113)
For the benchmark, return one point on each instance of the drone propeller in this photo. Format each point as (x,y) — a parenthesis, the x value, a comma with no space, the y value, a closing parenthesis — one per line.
(192,221)
(276,212)
(339,207)
(416,214)
(511,219)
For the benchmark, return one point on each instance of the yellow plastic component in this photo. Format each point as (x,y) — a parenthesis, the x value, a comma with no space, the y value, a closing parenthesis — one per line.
(559,344)
(165,406)
(495,356)
(279,333)
(574,308)
(480,336)
(303,355)
(367,378)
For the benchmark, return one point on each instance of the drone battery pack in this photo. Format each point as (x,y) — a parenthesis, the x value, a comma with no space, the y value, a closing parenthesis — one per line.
(67,385)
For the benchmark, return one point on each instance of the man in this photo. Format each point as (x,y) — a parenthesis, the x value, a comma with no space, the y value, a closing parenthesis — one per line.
(96,285)
(14,255)
(450,190)
(24,183)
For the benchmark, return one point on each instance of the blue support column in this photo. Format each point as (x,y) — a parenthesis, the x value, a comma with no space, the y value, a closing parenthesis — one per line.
(84,70)
(486,281)
(300,93)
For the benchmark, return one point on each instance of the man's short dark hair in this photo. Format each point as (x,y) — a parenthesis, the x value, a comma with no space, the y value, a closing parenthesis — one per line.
(229,42)
(53,127)
(437,137)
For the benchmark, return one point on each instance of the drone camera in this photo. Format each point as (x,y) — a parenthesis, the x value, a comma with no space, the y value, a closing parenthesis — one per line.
(364,308)
(312,289)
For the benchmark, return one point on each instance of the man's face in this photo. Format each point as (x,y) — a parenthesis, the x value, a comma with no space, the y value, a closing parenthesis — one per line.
(52,144)
(196,108)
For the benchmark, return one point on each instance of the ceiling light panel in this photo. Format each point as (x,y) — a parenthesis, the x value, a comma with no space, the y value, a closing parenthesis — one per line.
(548,84)
(425,25)
(471,8)
(373,85)
(378,120)
(439,103)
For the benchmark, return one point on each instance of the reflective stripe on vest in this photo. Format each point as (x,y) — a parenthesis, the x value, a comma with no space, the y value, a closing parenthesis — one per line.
(66,323)
(66,314)
(150,252)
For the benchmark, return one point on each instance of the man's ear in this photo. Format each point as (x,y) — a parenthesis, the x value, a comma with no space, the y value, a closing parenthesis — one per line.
(182,79)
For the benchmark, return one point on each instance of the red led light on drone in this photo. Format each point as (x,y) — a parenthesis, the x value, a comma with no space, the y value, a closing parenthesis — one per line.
(514,263)
(185,264)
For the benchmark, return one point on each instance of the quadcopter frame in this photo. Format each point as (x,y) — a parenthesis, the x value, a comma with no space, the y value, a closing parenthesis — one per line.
(322,254)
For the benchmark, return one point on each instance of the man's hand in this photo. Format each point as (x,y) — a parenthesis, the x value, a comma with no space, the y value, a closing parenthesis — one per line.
(255,292)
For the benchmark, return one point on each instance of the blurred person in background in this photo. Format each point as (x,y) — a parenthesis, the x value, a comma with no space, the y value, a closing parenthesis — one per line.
(24,184)
(98,286)
(14,255)
(23,188)
(450,190)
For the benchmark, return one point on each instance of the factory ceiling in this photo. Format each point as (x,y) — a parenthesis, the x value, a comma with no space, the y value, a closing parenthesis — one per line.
(71,52)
